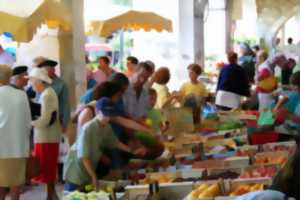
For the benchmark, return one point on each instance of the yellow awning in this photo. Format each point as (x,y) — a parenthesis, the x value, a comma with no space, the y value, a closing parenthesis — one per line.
(134,20)
(51,12)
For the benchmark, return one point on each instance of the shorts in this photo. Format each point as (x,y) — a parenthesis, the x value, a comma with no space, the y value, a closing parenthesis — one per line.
(12,172)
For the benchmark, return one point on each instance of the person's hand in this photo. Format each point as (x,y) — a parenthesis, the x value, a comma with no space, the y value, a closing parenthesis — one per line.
(140,152)
(95,183)
(176,94)
(105,160)
(103,119)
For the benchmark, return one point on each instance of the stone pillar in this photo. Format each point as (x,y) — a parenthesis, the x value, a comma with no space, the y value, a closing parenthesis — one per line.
(72,62)
(191,32)
(199,7)
(272,16)
(228,26)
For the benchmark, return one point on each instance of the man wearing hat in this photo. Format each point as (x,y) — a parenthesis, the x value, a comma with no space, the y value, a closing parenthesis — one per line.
(19,80)
(14,133)
(61,90)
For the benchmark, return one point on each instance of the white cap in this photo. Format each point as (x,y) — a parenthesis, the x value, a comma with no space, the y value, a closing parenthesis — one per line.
(40,74)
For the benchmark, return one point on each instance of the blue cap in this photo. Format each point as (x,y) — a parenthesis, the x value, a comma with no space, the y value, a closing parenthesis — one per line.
(107,107)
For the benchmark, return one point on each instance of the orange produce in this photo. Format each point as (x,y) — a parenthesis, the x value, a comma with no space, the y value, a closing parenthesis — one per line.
(243,189)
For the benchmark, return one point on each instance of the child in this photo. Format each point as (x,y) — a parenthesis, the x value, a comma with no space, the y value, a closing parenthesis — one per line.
(291,103)
(161,78)
(194,86)
(84,155)
(154,115)
(193,93)
(154,119)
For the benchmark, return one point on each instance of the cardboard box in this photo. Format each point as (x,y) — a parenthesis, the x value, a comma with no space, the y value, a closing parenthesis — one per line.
(174,191)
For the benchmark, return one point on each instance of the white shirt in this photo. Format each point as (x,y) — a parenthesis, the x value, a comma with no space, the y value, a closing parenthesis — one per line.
(136,107)
(43,132)
(15,123)
(228,99)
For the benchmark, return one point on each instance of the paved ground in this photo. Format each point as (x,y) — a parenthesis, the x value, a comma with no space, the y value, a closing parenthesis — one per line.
(38,193)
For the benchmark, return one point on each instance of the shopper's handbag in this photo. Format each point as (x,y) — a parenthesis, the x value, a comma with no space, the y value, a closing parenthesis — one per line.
(33,168)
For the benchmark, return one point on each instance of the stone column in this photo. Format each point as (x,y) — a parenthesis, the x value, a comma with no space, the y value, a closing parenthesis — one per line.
(199,7)
(191,31)
(72,62)
(228,22)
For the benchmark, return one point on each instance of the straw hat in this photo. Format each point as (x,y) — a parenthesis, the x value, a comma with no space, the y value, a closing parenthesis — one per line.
(40,74)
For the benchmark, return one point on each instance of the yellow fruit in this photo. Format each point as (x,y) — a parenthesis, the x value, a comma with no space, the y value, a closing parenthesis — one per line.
(257,187)
(195,193)
(212,191)
(148,122)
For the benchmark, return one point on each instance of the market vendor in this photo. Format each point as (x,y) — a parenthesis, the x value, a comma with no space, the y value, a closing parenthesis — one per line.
(84,155)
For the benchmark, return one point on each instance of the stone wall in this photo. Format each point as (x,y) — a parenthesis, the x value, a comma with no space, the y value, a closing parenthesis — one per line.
(271,16)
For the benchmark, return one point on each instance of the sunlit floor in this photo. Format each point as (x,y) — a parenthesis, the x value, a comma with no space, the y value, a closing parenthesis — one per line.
(38,193)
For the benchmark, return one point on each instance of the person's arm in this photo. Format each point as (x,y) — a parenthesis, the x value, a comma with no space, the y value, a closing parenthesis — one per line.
(91,171)
(169,100)
(139,152)
(84,117)
(293,117)
(282,100)
(46,113)
(130,124)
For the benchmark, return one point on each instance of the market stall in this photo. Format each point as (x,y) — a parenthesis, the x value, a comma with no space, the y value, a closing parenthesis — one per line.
(218,161)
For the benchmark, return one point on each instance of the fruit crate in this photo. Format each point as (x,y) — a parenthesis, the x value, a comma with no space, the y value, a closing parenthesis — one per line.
(238,184)
(266,158)
(237,161)
(222,171)
(206,164)
(174,191)
(161,177)
(247,150)
(260,171)
(280,146)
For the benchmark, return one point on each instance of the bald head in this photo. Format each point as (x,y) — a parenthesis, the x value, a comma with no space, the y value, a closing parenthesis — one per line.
(5,74)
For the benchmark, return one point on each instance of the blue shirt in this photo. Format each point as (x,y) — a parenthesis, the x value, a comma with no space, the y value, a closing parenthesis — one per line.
(233,79)
(119,130)
(293,106)
(87,97)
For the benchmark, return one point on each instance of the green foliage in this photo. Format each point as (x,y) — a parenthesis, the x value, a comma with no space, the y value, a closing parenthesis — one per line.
(211,57)
(249,40)
(123,2)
